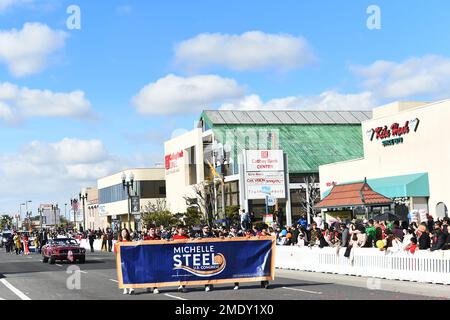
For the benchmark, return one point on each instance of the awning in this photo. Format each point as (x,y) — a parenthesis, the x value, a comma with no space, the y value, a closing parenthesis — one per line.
(411,185)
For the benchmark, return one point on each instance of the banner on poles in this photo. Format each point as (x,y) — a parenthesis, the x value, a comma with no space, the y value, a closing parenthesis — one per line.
(194,262)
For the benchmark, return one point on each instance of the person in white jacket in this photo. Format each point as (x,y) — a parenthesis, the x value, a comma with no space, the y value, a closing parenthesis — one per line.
(319,221)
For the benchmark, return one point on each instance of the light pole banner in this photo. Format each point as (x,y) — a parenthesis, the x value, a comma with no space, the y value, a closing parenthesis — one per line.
(195,262)
(135,205)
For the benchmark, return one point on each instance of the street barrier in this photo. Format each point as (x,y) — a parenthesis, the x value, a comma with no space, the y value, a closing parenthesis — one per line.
(97,244)
(422,266)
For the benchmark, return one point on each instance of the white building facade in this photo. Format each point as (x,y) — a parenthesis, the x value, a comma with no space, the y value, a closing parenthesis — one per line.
(406,156)
(113,201)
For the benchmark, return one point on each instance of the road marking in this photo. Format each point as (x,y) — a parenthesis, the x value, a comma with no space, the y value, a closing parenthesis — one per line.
(83,271)
(2,299)
(175,297)
(30,257)
(301,290)
(59,265)
(16,291)
(114,280)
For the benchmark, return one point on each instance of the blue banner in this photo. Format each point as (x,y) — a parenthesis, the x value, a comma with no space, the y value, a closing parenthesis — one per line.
(204,261)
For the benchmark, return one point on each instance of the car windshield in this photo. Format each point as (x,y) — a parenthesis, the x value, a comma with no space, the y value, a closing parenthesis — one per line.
(65,242)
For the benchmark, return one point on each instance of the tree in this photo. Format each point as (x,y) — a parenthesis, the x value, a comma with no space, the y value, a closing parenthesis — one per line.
(203,201)
(232,213)
(309,195)
(158,214)
(5,221)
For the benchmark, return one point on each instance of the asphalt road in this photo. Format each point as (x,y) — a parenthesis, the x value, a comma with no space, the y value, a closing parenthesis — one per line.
(27,277)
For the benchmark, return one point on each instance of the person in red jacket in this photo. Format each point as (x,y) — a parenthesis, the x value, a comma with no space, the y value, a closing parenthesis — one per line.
(151,234)
(182,234)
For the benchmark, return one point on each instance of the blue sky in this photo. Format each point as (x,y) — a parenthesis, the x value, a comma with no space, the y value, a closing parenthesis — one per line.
(125,46)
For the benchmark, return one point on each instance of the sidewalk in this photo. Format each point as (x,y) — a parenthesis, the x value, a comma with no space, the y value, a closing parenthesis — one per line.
(423,289)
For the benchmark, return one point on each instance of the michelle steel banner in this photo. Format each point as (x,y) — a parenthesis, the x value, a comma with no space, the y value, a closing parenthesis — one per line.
(202,261)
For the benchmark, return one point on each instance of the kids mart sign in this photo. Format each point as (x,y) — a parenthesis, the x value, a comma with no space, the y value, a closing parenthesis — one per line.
(393,134)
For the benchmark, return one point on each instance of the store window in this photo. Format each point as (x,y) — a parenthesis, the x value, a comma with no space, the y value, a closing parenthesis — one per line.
(191,166)
(441,210)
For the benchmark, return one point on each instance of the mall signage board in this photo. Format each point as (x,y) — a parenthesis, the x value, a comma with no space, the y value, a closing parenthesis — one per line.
(261,184)
(264,174)
(264,160)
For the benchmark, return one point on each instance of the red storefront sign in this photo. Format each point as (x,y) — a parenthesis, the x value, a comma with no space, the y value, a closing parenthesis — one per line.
(394,131)
(171,160)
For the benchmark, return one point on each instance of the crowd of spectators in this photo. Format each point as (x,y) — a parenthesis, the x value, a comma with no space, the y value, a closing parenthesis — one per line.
(398,235)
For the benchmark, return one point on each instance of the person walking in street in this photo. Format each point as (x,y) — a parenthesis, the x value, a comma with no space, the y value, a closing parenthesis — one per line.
(182,234)
(17,243)
(91,240)
(37,242)
(104,241)
(110,237)
(25,244)
(152,236)
(124,236)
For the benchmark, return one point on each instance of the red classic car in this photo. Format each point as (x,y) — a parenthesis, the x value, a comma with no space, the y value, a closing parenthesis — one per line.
(63,249)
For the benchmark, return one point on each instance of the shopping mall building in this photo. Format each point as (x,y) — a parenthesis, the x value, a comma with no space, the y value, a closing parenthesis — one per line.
(114,203)
(406,157)
(307,138)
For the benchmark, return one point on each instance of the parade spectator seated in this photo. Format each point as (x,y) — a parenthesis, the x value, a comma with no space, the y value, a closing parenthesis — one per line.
(412,246)
(423,237)
(397,231)
(439,238)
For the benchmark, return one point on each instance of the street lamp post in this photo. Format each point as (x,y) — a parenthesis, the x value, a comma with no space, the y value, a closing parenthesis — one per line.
(41,211)
(28,214)
(84,198)
(74,204)
(128,185)
(20,214)
(55,209)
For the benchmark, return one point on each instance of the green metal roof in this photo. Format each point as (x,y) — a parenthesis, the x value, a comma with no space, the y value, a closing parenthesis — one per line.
(308,145)
(411,185)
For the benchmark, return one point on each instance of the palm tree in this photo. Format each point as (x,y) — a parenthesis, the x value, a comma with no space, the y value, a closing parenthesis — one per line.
(5,221)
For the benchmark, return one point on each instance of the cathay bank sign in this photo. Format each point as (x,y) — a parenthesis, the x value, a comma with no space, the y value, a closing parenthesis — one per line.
(265,160)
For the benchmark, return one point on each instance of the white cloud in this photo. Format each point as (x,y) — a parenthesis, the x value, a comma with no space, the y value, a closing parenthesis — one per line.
(253,50)
(18,103)
(6,4)
(328,100)
(179,95)
(28,51)
(425,76)
(51,172)
(124,9)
